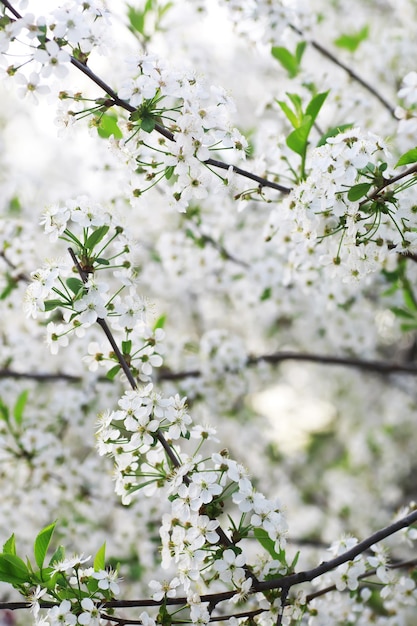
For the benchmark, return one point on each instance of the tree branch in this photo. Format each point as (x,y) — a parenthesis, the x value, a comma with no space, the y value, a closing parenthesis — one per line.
(384,368)
(329,55)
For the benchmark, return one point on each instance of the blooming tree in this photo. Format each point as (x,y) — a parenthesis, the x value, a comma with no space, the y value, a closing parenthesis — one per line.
(188,242)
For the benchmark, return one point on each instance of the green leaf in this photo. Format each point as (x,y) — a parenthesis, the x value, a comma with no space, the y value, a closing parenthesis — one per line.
(266,294)
(358,191)
(408,327)
(58,556)
(353,40)
(136,19)
(299,51)
(402,313)
(112,373)
(75,285)
(294,561)
(333,132)
(42,542)
(50,305)
(169,171)
(148,124)
(126,347)
(291,116)
(315,104)
(100,558)
(407,157)
(11,285)
(101,261)
(10,545)
(297,103)
(287,60)
(297,140)
(107,126)
(409,298)
(160,322)
(266,542)
(19,407)
(4,412)
(96,236)
(13,570)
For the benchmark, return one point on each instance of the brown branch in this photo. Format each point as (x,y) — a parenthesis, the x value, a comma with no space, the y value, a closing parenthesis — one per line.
(279,583)
(384,368)
(349,555)
(322,592)
(387,182)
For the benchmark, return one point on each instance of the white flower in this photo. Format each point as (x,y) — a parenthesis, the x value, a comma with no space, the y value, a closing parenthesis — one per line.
(209,487)
(29,86)
(164,589)
(62,614)
(91,614)
(53,59)
(409,89)
(67,564)
(34,598)
(230,566)
(91,305)
(56,336)
(107,580)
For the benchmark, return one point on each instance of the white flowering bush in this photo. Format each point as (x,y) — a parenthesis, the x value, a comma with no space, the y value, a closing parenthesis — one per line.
(207,237)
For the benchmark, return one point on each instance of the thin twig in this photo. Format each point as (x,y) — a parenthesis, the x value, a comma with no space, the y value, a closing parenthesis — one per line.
(389,181)
(329,55)
(384,368)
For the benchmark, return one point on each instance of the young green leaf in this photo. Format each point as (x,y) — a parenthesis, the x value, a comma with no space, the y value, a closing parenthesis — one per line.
(13,570)
(299,51)
(112,373)
(297,140)
(10,545)
(358,191)
(96,236)
(408,296)
(19,407)
(408,157)
(169,171)
(42,542)
(50,305)
(4,412)
(402,313)
(136,19)
(148,124)
(266,542)
(315,104)
(11,285)
(126,346)
(58,556)
(107,126)
(160,322)
(288,61)
(74,285)
(100,558)
(291,116)
(352,41)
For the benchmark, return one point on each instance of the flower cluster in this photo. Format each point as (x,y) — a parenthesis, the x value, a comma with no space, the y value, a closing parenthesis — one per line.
(334,210)
(265,21)
(196,488)
(197,119)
